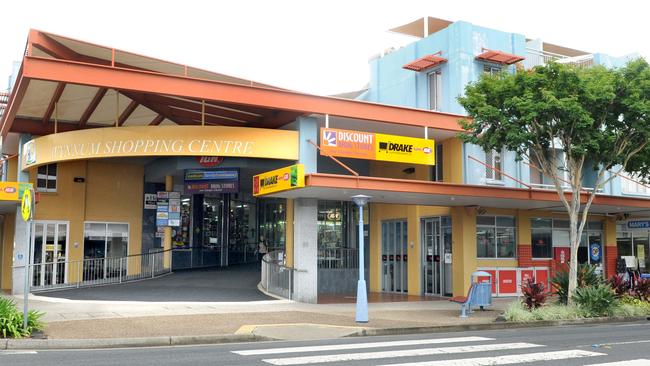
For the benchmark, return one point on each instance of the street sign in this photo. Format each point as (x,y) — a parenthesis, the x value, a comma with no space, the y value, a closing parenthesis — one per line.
(26,205)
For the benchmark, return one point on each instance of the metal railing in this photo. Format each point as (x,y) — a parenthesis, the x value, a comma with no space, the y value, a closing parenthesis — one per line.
(536,58)
(276,277)
(94,271)
(338,258)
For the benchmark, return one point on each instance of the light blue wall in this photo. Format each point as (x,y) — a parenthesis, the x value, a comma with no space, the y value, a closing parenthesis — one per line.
(460,43)
(611,61)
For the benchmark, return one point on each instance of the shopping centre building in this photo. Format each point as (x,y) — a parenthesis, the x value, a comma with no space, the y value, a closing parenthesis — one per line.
(142,165)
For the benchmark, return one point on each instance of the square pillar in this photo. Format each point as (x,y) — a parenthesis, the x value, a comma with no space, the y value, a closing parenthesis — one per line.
(21,254)
(305,250)
(524,245)
(463,227)
(414,263)
(611,250)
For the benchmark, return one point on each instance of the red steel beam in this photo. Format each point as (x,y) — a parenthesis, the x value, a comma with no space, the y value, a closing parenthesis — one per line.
(196,106)
(156,121)
(15,99)
(127,112)
(148,82)
(92,106)
(55,99)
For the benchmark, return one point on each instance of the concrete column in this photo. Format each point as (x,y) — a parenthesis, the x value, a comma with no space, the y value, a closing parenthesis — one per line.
(414,262)
(308,129)
(463,226)
(524,245)
(305,249)
(21,254)
(288,245)
(167,239)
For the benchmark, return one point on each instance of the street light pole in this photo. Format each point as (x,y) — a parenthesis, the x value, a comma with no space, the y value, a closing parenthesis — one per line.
(362,297)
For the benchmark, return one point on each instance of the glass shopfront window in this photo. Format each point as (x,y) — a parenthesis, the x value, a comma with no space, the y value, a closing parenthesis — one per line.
(495,237)
(271,216)
(332,224)
(242,235)
(541,237)
(634,244)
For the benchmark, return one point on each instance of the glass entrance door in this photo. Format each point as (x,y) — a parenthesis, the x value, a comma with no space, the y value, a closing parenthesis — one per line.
(215,250)
(394,247)
(431,257)
(49,253)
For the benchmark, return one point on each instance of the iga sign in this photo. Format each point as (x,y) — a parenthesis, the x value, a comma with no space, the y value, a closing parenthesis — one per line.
(209,161)
(376,146)
(279,180)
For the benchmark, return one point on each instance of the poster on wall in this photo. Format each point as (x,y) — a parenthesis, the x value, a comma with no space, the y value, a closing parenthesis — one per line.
(150,200)
(168,209)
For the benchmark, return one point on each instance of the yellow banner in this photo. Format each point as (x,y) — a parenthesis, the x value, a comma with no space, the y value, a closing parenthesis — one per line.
(377,146)
(12,191)
(279,180)
(161,141)
(403,149)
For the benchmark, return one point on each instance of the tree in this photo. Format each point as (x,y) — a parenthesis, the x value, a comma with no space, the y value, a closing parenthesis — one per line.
(566,120)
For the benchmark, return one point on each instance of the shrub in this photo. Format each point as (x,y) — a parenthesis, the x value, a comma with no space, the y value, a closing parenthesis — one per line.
(11,320)
(517,312)
(534,294)
(596,300)
(642,289)
(587,276)
(620,285)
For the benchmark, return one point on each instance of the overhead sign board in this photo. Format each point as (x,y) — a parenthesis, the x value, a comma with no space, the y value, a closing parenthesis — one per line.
(217,180)
(377,146)
(279,180)
(13,191)
(205,141)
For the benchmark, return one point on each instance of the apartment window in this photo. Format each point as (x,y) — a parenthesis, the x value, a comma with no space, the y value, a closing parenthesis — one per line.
(495,237)
(631,184)
(436,170)
(491,69)
(493,168)
(541,237)
(435,90)
(46,178)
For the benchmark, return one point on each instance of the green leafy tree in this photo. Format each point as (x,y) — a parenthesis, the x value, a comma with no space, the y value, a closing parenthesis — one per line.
(565,121)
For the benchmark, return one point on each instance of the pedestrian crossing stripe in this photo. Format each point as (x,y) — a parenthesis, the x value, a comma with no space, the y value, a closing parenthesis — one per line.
(507,360)
(398,353)
(639,362)
(340,347)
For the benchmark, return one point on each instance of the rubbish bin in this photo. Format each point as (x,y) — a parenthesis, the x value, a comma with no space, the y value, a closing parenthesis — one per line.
(482,289)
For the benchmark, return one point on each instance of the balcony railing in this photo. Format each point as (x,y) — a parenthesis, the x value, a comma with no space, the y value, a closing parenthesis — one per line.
(539,58)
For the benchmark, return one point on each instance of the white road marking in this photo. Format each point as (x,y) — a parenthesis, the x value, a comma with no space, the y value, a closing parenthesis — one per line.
(6,353)
(337,347)
(506,360)
(399,353)
(639,362)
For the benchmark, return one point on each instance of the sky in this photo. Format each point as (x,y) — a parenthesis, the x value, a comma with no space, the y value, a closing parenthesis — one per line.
(318,47)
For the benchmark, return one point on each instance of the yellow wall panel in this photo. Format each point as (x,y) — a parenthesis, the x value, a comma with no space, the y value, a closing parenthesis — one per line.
(7,249)
(289,234)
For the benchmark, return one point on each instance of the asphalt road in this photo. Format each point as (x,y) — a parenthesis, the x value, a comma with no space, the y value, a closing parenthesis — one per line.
(603,345)
(218,284)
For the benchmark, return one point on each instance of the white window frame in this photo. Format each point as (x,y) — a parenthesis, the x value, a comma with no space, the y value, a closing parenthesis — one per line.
(496,241)
(491,69)
(106,223)
(630,186)
(435,101)
(491,175)
(47,177)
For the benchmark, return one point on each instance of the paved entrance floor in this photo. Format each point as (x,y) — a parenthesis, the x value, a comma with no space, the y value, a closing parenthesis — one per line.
(223,284)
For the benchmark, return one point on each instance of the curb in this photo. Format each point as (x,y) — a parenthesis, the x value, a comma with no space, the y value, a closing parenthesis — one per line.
(491,326)
(45,344)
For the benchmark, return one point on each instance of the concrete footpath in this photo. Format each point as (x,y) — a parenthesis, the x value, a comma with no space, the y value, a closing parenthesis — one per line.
(164,323)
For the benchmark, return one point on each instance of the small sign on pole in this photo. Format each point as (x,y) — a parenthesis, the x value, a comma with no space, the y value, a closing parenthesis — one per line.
(27,212)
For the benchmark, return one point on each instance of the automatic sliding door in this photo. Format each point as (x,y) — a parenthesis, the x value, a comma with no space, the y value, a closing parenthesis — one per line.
(394,256)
